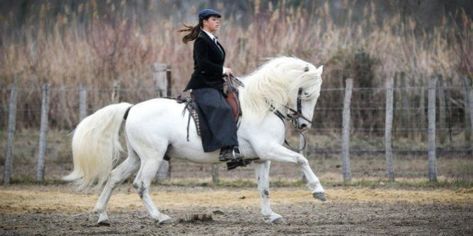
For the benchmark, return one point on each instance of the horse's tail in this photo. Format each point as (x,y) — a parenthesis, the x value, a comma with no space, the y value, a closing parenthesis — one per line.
(96,145)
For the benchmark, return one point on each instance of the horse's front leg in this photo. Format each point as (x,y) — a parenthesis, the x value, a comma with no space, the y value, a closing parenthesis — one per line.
(277,152)
(262,176)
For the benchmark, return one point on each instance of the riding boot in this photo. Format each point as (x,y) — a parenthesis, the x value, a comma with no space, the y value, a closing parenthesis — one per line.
(227,153)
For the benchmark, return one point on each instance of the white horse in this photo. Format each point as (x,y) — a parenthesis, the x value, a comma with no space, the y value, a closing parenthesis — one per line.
(157,127)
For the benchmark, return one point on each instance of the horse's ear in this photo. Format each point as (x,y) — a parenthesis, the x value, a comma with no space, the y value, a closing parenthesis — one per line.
(320,69)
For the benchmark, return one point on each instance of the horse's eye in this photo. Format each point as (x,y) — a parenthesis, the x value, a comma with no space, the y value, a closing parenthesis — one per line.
(306,68)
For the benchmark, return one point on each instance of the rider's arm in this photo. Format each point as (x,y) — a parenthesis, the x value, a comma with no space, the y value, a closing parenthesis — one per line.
(201,50)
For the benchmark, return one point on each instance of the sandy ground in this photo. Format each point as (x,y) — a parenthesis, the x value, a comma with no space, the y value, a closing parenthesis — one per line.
(59,210)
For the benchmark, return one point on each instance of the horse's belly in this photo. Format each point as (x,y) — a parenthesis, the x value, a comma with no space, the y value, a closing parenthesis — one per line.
(193,155)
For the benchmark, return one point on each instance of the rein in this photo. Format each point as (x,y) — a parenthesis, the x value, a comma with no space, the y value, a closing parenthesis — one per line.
(293,117)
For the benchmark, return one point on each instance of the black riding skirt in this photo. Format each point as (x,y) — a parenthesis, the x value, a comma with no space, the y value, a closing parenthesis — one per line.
(218,128)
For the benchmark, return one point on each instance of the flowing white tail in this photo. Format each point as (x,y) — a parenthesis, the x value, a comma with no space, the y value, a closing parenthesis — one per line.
(96,146)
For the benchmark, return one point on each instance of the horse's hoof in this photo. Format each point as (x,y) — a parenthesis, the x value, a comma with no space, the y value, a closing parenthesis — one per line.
(278,221)
(320,196)
(274,219)
(165,219)
(103,223)
(103,219)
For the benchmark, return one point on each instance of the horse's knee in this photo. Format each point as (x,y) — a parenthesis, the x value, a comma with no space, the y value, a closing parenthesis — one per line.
(302,161)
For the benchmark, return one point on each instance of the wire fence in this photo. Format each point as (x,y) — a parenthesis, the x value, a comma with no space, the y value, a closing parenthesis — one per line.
(366,127)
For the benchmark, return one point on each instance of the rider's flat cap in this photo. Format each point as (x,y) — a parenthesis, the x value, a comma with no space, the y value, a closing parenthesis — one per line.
(206,13)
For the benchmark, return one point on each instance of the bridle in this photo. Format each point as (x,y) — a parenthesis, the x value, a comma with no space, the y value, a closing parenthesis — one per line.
(293,117)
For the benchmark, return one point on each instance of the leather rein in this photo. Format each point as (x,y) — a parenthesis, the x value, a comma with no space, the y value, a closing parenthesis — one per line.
(293,117)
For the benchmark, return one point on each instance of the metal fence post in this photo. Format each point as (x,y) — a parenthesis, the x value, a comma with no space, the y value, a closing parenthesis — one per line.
(43,133)
(388,129)
(431,130)
(346,132)
(11,135)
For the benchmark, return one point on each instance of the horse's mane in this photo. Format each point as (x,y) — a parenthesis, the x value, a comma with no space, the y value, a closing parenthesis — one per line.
(274,82)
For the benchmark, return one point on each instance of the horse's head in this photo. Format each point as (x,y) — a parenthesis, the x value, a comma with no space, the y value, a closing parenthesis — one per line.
(303,94)
(286,84)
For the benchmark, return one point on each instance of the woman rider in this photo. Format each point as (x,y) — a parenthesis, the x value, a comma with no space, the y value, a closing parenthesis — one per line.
(218,127)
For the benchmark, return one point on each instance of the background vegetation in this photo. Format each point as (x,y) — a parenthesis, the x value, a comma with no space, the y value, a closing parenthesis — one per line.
(94,43)
(98,43)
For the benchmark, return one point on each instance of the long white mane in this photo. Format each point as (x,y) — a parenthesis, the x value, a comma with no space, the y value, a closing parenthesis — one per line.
(277,82)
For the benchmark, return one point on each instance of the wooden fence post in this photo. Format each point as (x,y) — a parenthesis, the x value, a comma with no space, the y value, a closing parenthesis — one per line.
(346,132)
(302,152)
(388,129)
(82,102)
(468,115)
(11,135)
(116,91)
(442,110)
(471,115)
(215,177)
(169,81)
(431,130)
(43,133)
(161,79)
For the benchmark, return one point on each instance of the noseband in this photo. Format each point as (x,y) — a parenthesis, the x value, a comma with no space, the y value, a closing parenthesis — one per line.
(293,117)
(296,114)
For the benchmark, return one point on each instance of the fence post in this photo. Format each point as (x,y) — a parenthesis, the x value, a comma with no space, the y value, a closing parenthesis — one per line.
(82,102)
(116,91)
(11,135)
(169,81)
(431,131)
(43,133)
(442,110)
(388,129)
(346,132)
(161,80)
(215,178)
(468,115)
(471,114)
(302,152)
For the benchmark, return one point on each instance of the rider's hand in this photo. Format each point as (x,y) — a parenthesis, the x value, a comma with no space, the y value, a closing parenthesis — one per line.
(227,71)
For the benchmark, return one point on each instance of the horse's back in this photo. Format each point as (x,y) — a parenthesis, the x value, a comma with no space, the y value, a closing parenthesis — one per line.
(159,116)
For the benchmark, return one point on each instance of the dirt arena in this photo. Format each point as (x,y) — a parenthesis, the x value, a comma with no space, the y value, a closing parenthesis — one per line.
(58,210)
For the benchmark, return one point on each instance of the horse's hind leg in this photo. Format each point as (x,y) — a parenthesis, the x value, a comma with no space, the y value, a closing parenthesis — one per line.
(151,158)
(118,175)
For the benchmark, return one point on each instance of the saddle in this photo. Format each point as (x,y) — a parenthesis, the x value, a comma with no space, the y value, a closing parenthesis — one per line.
(232,97)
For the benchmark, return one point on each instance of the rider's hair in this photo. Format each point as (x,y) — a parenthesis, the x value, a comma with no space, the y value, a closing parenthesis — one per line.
(193,31)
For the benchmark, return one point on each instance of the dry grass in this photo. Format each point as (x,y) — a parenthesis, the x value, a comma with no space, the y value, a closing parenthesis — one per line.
(92,48)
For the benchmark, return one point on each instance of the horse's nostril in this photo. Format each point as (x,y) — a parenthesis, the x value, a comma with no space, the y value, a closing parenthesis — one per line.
(303,126)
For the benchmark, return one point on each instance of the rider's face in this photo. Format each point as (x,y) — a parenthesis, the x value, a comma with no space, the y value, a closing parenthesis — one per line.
(212,24)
